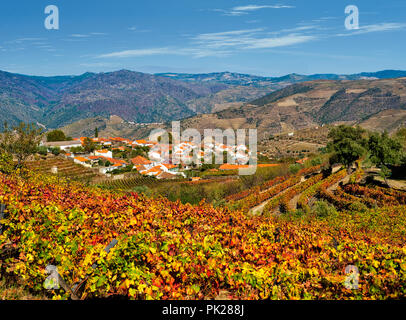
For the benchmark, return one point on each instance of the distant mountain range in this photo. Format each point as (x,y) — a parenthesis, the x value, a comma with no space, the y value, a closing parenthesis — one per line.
(142,98)
(375,104)
(238,79)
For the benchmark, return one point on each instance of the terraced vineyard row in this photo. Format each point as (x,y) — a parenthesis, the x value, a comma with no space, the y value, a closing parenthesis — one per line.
(352,196)
(66,168)
(167,250)
(282,201)
(130,183)
(252,197)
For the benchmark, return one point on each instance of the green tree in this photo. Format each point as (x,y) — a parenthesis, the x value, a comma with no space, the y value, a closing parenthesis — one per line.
(347,144)
(385,152)
(96,132)
(89,145)
(55,151)
(43,151)
(77,150)
(400,135)
(56,135)
(21,142)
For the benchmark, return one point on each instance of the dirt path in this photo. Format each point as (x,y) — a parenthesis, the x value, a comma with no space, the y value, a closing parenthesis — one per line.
(344,180)
(259,209)
(295,199)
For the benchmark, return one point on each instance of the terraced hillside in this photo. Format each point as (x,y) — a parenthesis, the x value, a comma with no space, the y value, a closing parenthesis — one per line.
(167,250)
(310,104)
(66,168)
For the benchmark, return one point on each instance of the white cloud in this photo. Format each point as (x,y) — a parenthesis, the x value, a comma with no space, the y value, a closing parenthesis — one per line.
(77,35)
(98,33)
(242,10)
(194,52)
(380,27)
(87,35)
(280,41)
(135,53)
(221,44)
(21,40)
(249,39)
(256,7)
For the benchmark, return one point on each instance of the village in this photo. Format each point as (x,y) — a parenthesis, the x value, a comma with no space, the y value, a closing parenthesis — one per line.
(117,155)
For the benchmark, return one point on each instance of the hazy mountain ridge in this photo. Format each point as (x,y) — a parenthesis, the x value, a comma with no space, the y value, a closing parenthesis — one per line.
(135,96)
(232,78)
(313,103)
(138,97)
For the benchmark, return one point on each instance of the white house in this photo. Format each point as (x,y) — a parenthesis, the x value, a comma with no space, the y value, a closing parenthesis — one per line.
(104,153)
(63,145)
(82,161)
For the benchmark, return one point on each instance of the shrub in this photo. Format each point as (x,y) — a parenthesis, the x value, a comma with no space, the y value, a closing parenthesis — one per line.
(142,189)
(294,168)
(358,207)
(57,135)
(43,151)
(55,151)
(323,209)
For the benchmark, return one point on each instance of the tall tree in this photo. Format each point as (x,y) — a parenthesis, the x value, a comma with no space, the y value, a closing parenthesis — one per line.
(385,152)
(56,135)
(96,132)
(89,145)
(400,135)
(21,142)
(347,144)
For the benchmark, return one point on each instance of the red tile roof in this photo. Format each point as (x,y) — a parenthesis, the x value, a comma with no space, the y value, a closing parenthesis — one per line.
(140,160)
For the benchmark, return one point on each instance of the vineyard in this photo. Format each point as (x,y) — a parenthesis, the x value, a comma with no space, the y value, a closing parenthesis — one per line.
(250,198)
(132,182)
(66,169)
(167,250)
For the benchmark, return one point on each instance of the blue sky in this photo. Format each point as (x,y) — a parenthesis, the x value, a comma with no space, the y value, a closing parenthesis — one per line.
(262,37)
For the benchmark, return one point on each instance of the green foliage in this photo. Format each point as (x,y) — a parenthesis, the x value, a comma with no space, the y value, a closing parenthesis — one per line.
(358,207)
(55,151)
(89,145)
(401,136)
(128,168)
(77,150)
(42,150)
(316,161)
(294,168)
(22,141)
(348,144)
(143,189)
(323,209)
(384,150)
(57,135)
(6,163)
